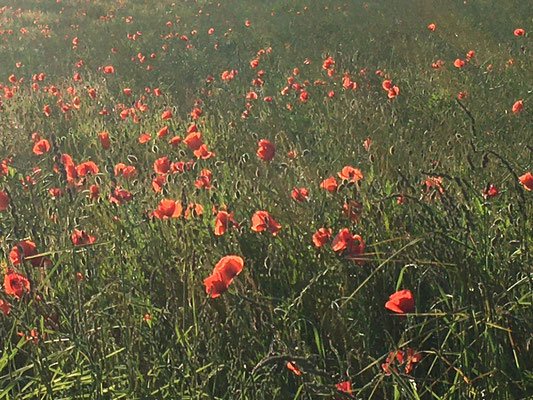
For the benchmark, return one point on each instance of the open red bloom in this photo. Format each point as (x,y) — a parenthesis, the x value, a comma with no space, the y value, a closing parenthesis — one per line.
(119,196)
(129,171)
(161,165)
(458,63)
(527,181)
(194,210)
(193,140)
(222,222)
(401,302)
(144,138)
(353,245)
(431,27)
(519,32)
(225,270)
(266,150)
(80,238)
(330,184)
(299,194)
(87,168)
(321,237)
(262,221)
(22,250)
(16,284)
(350,174)
(40,147)
(109,69)
(4,201)
(203,152)
(345,387)
(168,209)
(158,182)
(204,180)
(166,114)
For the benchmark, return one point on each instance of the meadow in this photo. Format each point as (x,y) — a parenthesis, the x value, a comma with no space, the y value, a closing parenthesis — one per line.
(245,199)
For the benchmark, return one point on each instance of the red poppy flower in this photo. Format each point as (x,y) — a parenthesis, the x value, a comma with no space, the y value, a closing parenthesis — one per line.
(144,138)
(387,85)
(321,237)
(347,83)
(80,238)
(490,191)
(22,250)
(175,141)
(412,358)
(434,183)
(519,32)
(166,114)
(109,69)
(87,168)
(168,209)
(194,210)
(104,140)
(517,107)
(399,356)
(40,147)
(94,192)
(4,305)
(266,150)
(401,302)
(119,196)
(4,201)
(353,245)
(161,165)
(55,192)
(203,153)
(431,27)
(345,387)
(193,140)
(291,366)
(299,194)
(162,132)
(16,284)
(158,182)
(458,63)
(350,174)
(225,270)
(527,181)
(328,62)
(262,221)
(204,181)
(395,91)
(330,184)
(222,222)
(129,171)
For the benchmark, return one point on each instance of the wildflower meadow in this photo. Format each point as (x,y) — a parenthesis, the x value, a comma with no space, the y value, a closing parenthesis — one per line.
(266,199)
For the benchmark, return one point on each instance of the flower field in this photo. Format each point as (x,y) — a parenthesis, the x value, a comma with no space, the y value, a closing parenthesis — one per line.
(266,199)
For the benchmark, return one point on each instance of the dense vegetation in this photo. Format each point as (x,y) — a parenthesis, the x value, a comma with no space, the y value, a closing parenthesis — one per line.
(346,155)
